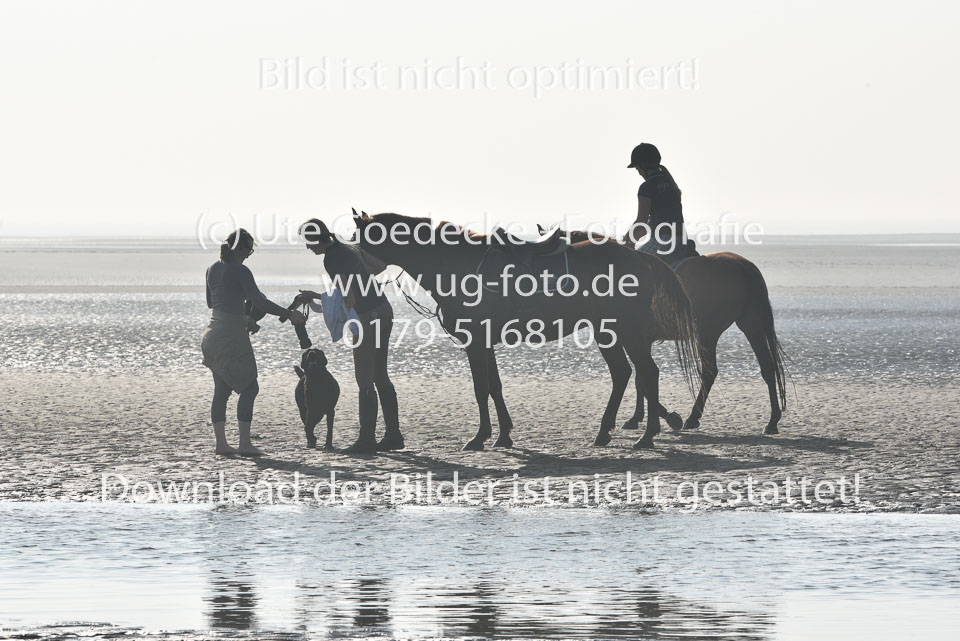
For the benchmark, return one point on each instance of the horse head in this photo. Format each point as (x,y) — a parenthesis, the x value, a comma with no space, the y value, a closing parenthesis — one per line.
(393,238)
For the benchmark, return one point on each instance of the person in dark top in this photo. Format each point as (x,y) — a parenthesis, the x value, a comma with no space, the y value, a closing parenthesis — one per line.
(226,346)
(659,210)
(351,270)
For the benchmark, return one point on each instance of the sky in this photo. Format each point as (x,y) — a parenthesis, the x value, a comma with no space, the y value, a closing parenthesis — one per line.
(169,118)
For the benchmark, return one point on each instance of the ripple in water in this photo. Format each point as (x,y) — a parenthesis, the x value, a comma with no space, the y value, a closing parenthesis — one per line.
(911,336)
(448,572)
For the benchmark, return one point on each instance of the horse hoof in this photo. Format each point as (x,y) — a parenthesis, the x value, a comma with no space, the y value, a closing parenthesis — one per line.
(675,421)
(644,444)
(631,425)
(504,441)
(473,446)
(771,429)
(602,439)
(311,444)
(691,424)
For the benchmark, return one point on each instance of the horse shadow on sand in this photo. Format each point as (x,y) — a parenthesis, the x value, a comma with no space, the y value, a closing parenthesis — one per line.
(666,459)
(810,443)
(669,456)
(534,462)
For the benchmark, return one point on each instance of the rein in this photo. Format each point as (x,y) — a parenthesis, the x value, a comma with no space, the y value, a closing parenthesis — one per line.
(422,309)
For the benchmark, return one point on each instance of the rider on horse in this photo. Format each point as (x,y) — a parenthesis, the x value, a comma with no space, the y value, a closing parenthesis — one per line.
(659,210)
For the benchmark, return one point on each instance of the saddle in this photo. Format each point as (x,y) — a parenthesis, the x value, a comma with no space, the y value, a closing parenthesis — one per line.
(547,253)
(682,255)
(547,245)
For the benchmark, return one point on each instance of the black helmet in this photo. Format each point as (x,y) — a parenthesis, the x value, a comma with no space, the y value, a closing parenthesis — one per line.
(644,155)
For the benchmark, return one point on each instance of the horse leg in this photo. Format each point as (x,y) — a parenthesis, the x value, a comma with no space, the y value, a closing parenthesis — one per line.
(708,359)
(496,392)
(633,423)
(620,373)
(674,420)
(481,389)
(647,368)
(761,349)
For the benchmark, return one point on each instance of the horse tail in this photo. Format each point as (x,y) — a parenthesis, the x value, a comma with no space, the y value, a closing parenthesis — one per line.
(758,303)
(673,313)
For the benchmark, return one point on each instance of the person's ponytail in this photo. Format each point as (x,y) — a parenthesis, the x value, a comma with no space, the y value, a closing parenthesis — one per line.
(672,181)
(238,239)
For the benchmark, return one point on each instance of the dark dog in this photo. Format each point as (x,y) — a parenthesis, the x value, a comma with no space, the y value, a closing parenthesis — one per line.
(317,394)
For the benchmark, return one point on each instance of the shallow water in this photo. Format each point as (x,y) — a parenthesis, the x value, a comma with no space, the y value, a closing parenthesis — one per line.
(492,572)
(844,306)
(903,334)
(858,309)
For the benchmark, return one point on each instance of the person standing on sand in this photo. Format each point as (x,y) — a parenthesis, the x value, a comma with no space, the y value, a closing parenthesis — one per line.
(226,346)
(659,210)
(352,271)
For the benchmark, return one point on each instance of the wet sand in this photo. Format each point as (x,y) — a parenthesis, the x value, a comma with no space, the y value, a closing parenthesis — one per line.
(61,433)
(102,376)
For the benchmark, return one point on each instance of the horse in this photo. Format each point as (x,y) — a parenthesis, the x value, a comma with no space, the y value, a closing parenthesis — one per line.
(444,258)
(724,288)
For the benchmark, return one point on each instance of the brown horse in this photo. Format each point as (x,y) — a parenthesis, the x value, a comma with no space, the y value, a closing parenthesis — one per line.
(443,259)
(724,288)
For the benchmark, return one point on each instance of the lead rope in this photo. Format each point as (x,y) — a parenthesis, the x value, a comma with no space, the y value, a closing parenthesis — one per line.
(422,309)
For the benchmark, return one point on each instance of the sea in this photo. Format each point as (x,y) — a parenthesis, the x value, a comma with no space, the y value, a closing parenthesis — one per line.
(849,306)
(865,308)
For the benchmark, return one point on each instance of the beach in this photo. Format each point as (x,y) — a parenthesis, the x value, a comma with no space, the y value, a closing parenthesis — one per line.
(174,171)
(906,458)
(106,425)
(107,380)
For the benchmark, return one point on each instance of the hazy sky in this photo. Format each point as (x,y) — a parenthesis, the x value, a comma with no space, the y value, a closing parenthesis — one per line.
(137,118)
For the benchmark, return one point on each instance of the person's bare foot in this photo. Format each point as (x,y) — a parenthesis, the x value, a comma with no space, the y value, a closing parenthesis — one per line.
(249,450)
(246,445)
(223,449)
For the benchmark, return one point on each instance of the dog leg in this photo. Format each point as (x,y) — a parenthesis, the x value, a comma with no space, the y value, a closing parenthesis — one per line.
(300,397)
(329,443)
(308,427)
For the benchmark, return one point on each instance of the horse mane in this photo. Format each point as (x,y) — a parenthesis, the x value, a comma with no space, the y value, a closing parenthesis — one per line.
(460,238)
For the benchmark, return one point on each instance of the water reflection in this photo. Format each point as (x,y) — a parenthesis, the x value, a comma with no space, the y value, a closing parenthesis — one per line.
(487,608)
(473,612)
(371,600)
(231,604)
(338,573)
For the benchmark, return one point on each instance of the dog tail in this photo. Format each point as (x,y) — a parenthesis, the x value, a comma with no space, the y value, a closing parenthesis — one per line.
(299,371)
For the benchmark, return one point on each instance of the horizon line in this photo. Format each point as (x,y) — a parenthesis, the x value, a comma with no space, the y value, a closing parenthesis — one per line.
(188,237)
